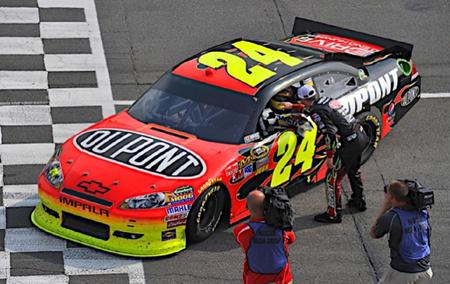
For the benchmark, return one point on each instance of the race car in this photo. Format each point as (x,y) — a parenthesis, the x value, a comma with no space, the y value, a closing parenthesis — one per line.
(186,154)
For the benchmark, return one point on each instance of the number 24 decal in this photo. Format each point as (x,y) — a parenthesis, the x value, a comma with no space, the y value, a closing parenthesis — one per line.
(237,67)
(287,143)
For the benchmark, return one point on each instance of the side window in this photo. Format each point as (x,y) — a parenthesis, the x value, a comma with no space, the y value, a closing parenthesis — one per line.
(334,84)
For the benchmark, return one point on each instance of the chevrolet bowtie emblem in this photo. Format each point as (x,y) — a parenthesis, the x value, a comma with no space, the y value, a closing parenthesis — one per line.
(93,187)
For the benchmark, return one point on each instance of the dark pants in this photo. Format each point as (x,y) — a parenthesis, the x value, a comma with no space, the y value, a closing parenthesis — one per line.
(347,161)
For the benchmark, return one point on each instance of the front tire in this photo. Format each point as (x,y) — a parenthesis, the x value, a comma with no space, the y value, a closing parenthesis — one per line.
(206,214)
(371,125)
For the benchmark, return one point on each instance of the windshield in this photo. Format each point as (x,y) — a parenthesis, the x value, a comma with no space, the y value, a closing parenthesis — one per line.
(209,112)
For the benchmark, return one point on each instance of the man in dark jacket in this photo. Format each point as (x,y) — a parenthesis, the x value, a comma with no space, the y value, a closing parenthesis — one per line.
(345,141)
(409,237)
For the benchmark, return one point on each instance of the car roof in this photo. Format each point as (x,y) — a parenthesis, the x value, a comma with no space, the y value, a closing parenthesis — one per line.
(230,58)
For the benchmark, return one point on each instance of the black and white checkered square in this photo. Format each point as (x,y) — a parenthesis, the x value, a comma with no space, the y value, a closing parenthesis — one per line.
(54,82)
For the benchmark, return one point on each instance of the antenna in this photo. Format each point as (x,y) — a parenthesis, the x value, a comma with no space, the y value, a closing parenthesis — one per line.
(382,178)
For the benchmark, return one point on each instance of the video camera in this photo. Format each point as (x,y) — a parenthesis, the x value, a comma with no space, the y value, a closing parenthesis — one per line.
(420,196)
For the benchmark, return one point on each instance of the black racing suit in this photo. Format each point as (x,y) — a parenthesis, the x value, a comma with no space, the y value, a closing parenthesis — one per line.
(339,127)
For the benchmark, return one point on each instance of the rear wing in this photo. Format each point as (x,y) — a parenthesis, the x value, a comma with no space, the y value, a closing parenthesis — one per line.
(391,48)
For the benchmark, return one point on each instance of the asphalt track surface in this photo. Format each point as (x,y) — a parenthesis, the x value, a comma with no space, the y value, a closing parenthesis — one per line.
(141,40)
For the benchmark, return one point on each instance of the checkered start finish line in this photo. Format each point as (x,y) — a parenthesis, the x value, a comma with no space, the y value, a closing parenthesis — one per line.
(52,68)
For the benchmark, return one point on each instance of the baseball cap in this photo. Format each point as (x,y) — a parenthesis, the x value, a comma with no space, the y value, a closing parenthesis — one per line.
(306,92)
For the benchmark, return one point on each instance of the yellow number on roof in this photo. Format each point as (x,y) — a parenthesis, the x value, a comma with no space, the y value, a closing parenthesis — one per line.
(237,67)
(266,55)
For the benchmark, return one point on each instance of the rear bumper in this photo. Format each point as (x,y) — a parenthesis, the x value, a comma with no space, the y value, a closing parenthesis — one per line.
(141,238)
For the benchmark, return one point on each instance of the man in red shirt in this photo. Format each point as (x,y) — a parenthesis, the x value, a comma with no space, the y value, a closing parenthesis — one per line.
(265,247)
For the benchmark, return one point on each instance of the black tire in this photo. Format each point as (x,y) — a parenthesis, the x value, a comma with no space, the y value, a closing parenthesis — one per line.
(371,125)
(206,214)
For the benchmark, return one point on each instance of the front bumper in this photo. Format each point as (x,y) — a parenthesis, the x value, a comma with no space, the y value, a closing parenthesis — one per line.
(138,237)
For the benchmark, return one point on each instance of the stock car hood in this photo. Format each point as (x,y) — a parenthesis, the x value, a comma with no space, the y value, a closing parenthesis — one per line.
(121,157)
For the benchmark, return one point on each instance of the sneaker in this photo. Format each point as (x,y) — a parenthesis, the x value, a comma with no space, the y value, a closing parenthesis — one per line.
(325,218)
(359,204)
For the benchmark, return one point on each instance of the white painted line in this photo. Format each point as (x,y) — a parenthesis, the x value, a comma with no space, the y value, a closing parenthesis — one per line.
(65,30)
(2,217)
(103,81)
(25,115)
(73,62)
(21,45)
(82,261)
(44,279)
(19,15)
(63,3)
(23,80)
(61,132)
(20,195)
(434,95)
(4,265)
(22,154)
(31,239)
(118,102)
(78,97)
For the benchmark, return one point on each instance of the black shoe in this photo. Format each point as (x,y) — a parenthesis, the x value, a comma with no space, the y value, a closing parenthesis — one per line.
(357,203)
(325,218)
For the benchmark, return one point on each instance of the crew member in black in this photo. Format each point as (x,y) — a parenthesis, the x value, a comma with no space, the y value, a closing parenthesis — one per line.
(345,141)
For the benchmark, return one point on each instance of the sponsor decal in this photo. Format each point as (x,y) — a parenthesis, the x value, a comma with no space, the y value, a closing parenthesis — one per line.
(142,152)
(336,44)
(179,209)
(252,137)
(261,169)
(261,162)
(231,169)
(244,162)
(93,187)
(176,217)
(248,170)
(237,177)
(207,184)
(404,66)
(335,104)
(371,92)
(176,223)
(168,235)
(259,152)
(83,206)
(181,194)
(409,96)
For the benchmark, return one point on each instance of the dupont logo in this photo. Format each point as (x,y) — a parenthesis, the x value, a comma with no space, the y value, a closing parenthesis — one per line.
(93,187)
(141,152)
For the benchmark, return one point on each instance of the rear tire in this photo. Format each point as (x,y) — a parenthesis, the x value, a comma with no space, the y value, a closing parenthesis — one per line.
(371,125)
(206,214)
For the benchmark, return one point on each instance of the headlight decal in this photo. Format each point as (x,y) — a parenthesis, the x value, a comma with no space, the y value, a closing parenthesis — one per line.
(53,171)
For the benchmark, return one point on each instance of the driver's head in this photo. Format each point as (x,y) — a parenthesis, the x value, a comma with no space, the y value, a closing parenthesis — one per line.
(285,95)
(306,94)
